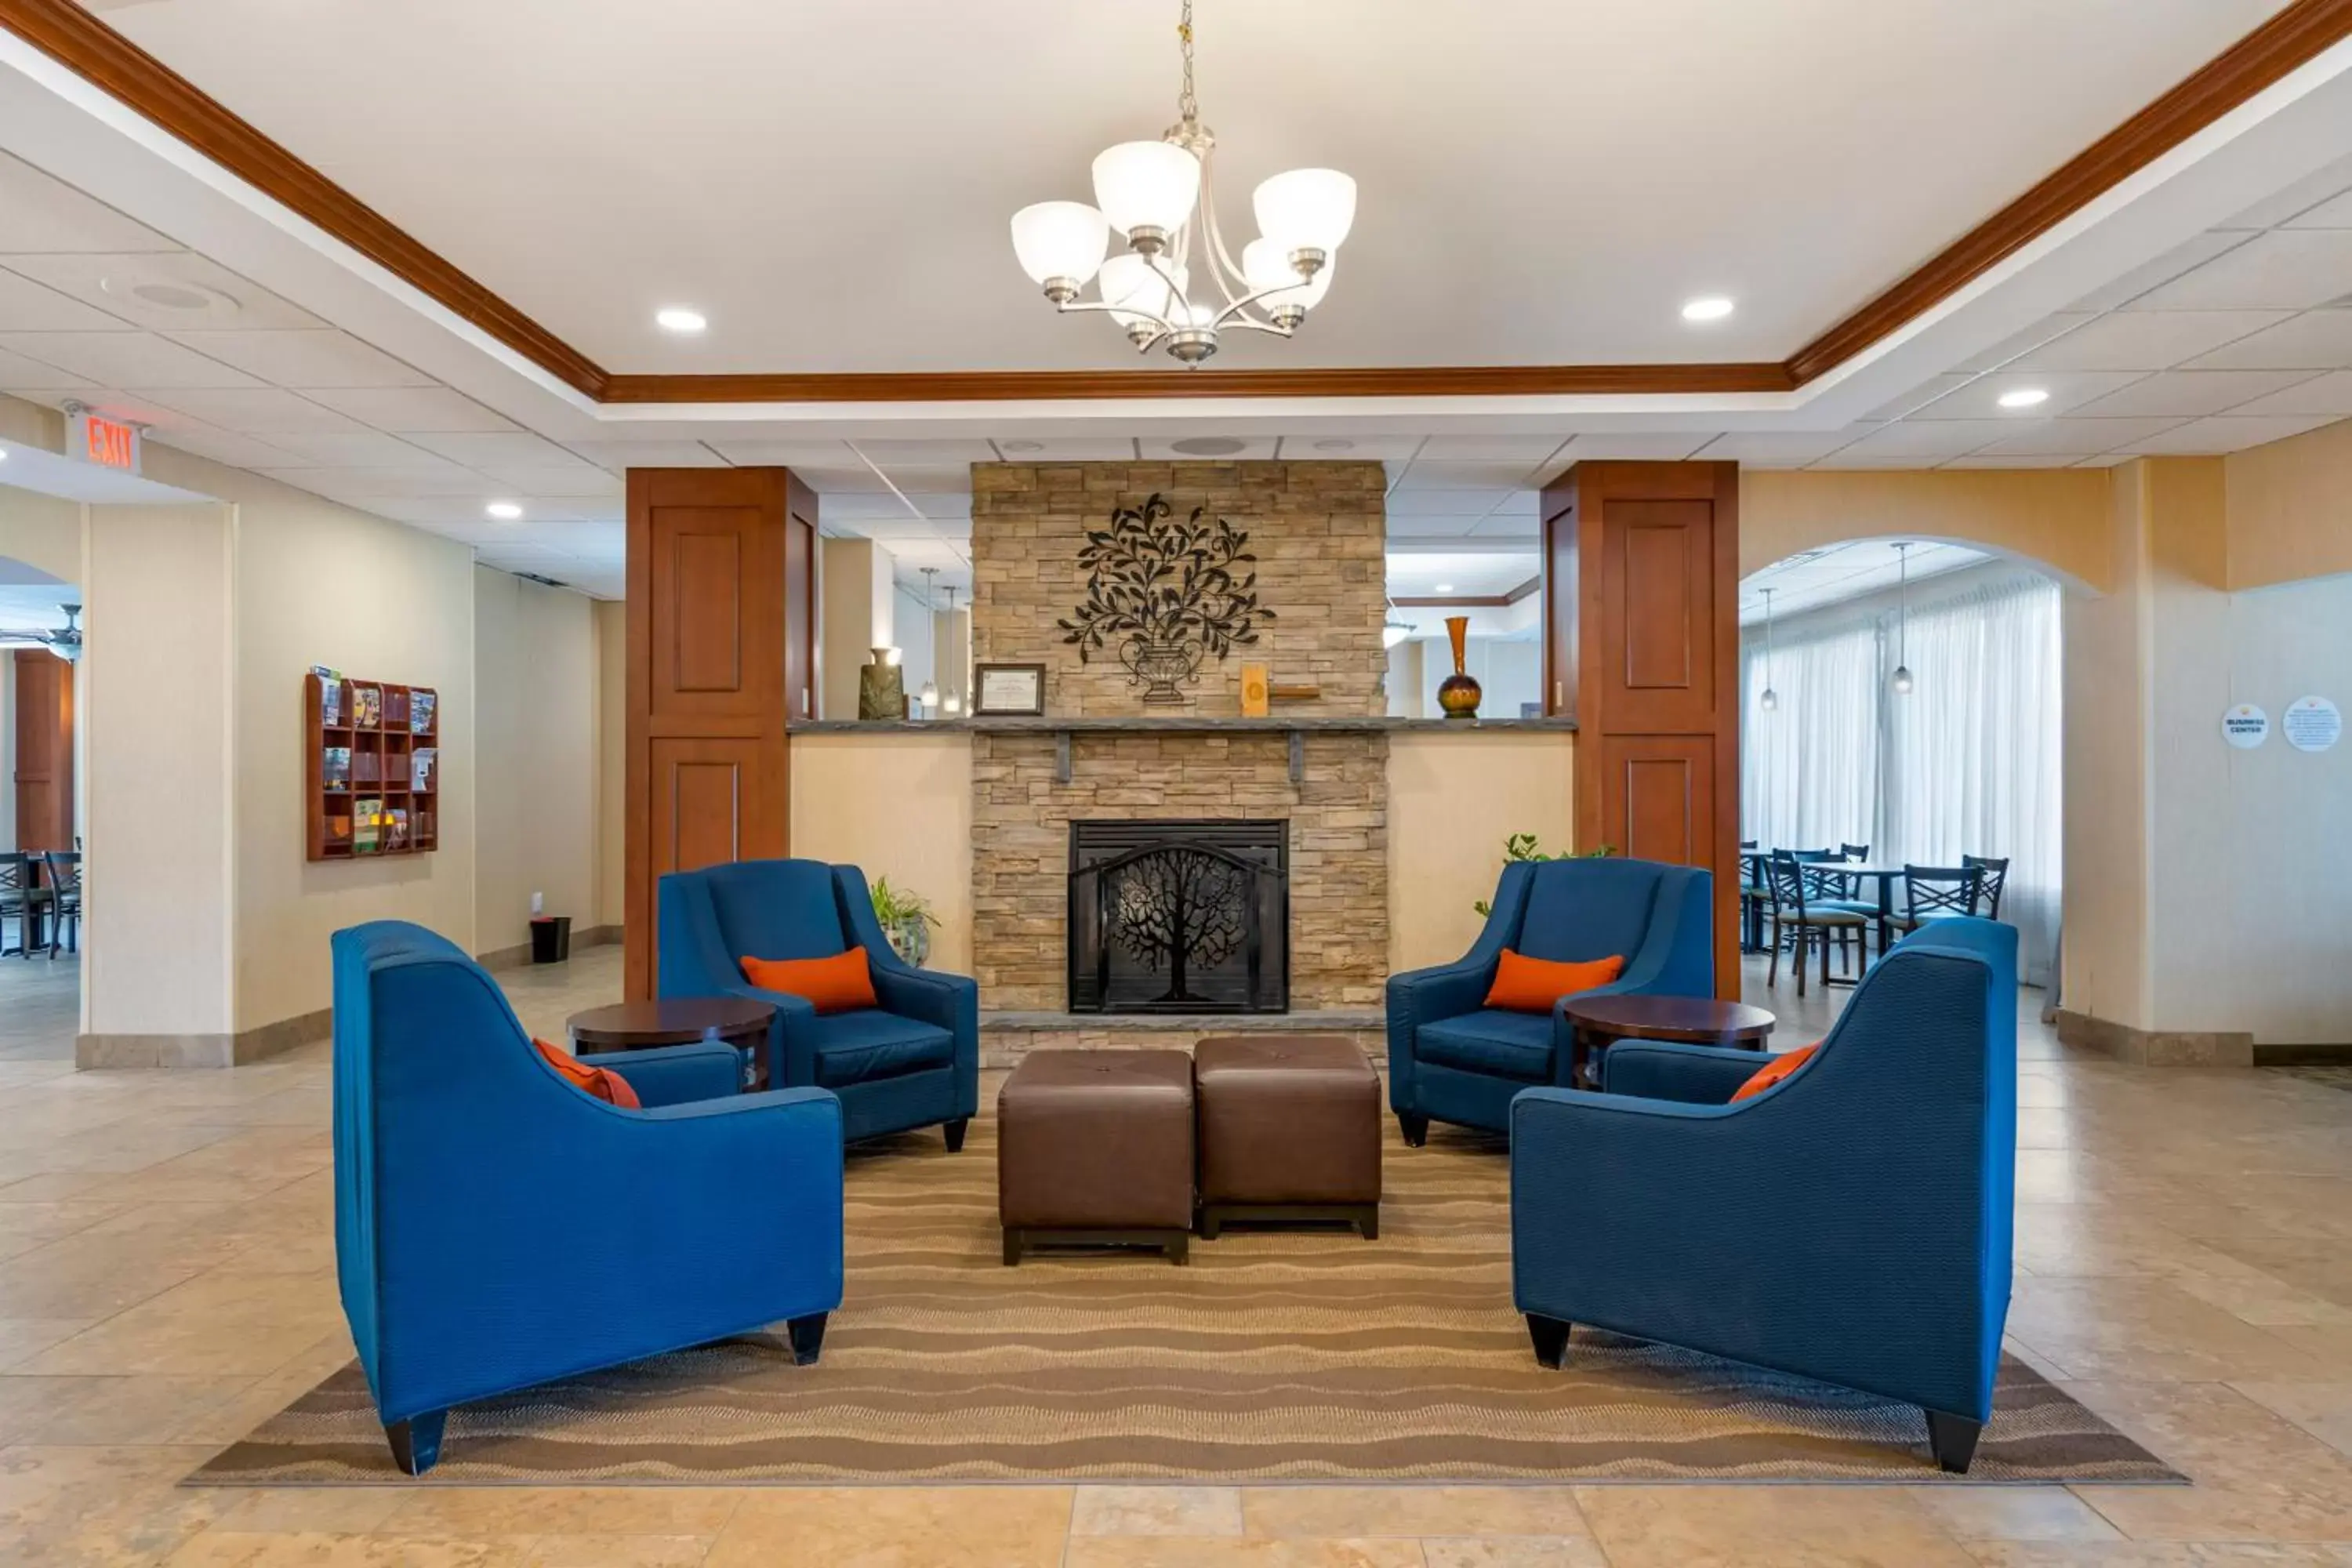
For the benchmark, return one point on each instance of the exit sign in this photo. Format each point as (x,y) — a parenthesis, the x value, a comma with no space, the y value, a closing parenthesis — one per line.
(95,438)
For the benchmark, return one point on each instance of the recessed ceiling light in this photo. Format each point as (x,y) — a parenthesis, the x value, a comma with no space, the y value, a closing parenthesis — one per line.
(504,511)
(2024,397)
(679,318)
(1208,446)
(1335,446)
(1023,446)
(1707,308)
(1445,588)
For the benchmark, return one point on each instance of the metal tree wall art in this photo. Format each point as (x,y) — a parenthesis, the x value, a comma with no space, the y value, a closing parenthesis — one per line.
(1165,594)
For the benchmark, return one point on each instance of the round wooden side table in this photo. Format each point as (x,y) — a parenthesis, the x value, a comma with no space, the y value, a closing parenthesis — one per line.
(736,1021)
(1600,1021)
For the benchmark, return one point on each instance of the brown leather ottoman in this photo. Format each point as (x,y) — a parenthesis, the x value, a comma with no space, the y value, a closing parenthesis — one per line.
(1095,1148)
(1290,1129)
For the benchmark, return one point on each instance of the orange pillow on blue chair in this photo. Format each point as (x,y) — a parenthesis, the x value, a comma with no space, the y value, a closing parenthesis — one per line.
(599,1083)
(1776,1070)
(837,984)
(1524,985)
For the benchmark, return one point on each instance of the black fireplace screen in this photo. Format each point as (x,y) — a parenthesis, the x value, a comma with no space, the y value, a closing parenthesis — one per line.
(1180,917)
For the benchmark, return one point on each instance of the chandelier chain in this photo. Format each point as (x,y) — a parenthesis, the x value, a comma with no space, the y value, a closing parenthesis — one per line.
(1188,107)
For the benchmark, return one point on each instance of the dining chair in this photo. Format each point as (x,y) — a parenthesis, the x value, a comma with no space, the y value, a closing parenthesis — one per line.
(1754,897)
(1802,923)
(1938,892)
(22,897)
(1996,877)
(65,898)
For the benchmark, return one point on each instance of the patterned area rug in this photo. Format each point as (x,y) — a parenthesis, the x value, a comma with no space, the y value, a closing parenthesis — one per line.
(1273,1356)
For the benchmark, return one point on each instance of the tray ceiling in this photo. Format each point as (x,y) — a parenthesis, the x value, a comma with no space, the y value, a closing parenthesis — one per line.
(829,181)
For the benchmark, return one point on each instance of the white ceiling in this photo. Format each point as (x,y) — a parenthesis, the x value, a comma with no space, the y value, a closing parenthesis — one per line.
(1816,578)
(829,181)
(31,606)
(1460,573)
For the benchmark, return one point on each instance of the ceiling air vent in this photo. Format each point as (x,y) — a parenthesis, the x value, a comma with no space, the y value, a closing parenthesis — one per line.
(543,582)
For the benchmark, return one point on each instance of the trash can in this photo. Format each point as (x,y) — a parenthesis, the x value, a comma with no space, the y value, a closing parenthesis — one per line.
(550,939)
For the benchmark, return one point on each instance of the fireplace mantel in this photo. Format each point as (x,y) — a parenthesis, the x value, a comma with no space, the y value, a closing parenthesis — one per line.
(1063,729)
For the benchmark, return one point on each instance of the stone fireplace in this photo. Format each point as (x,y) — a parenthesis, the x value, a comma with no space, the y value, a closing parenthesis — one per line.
(1316,532)
(1178,917)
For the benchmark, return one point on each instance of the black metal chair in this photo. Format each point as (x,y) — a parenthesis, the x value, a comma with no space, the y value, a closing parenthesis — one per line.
(65,898)
(22,899)
(1938,892)
(1996,877)
(1802,925)
(1755,898)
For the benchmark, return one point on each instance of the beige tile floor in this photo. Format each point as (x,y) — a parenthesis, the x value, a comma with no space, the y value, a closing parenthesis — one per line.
(2184,1266)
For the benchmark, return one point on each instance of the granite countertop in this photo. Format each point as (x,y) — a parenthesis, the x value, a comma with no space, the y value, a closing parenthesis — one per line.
(1078,724)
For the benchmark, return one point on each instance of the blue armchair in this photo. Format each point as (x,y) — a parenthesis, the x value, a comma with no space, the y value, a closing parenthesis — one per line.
(465,1269)
(911,1062)
(1452,1059)
(1849,1223)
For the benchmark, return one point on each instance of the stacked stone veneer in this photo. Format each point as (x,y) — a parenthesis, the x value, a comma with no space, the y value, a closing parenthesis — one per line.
(1319,532)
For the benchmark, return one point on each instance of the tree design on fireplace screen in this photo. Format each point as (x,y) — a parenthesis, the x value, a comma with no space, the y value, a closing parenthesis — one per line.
(1171,592)
(1178,917)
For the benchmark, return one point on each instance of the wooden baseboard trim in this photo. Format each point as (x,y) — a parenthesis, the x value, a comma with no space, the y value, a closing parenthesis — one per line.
(110,1052)
(2156,1048)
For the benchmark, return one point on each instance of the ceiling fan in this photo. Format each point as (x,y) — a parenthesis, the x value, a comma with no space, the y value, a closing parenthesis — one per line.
(66,642)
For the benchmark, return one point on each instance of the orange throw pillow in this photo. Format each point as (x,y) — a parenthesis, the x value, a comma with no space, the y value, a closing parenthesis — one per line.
(1524,985)
(836,984)
(599,1083)
(1776,1070)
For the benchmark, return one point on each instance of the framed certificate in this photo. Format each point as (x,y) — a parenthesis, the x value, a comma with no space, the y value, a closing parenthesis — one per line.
(1001,690)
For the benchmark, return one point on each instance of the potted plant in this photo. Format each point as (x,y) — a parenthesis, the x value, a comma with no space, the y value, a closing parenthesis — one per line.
(1523,847)
(906,919)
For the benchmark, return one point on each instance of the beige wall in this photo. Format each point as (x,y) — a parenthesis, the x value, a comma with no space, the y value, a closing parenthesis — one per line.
(158,703)
(859,616)
(612,757)
(537,769)
(897,806)
(2054,517)
(1452,799)
(2290,509)
(318,583)
(42,531)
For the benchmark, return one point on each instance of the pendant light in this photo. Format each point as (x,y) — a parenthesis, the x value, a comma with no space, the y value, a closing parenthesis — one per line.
(953,702)
(1903,621)
(1771,699)
(930,695)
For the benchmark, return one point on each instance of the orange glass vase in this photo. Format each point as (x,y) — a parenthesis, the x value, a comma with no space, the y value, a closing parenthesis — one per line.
(1458,694)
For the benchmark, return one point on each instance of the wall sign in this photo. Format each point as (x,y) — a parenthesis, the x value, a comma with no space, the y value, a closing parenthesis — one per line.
(94,438)
(2245,726)
(2312,724)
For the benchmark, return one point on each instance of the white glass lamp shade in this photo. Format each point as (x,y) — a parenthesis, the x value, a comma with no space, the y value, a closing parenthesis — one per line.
(930,695)
(1394,632)
(1265,264)
(1147,185)
(1903,682)
(1306,209)
(1128,279)
(1060,239)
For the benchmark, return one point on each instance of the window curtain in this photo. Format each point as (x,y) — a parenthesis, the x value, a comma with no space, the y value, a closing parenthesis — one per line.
(1966,763)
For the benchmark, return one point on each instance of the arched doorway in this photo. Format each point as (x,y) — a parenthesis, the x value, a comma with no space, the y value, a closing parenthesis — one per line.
(41,870)
(1903,698)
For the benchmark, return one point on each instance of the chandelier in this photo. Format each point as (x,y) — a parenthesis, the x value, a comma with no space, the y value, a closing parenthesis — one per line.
(1159,194)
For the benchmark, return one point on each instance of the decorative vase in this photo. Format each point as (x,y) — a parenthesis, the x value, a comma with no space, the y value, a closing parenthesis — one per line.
(882,686)
(1458,694)
(1157,666)
(910,939)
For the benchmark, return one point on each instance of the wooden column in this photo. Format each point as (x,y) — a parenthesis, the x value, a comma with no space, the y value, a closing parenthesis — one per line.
(720,657)
(45,751)
(1642,645)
